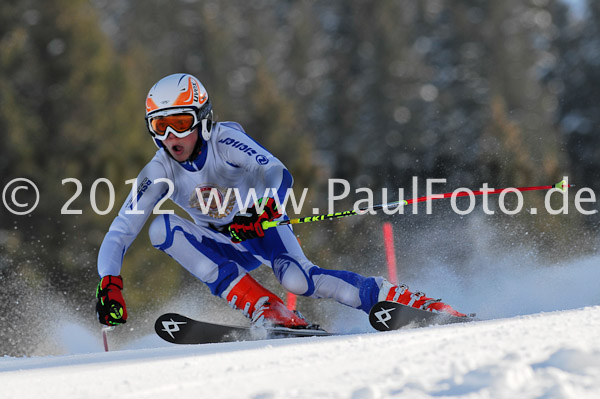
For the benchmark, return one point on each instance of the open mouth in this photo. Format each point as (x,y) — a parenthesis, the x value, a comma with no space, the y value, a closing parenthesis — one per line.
(177,149)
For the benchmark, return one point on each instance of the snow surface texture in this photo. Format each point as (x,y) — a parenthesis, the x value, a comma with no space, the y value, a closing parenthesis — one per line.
(546,355)
(516,352)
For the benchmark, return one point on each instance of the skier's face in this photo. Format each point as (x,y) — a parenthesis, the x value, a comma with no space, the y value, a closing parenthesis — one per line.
(181,149)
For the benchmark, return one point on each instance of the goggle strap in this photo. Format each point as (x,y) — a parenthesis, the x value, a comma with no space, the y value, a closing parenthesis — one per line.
(206,132)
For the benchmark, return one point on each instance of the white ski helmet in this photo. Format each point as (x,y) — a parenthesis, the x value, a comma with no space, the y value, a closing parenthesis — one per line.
(178,94)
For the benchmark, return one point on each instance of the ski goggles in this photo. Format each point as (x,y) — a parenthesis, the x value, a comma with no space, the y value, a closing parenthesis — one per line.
(180,124)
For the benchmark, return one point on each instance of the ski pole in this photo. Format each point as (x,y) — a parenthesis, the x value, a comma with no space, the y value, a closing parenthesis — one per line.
(105,330)
(562,185)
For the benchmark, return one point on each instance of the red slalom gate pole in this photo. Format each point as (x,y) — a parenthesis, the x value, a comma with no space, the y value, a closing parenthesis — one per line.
(290,301)
(290,298)
(390,253)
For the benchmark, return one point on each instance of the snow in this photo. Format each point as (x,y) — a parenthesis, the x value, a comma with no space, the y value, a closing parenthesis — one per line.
(544,355)
(539,340)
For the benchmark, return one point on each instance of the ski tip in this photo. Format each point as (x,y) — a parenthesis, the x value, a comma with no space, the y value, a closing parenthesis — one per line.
(472,317)
(387,316)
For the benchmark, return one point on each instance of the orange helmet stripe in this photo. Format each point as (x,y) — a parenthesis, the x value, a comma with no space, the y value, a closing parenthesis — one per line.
(150,105)
(187,97)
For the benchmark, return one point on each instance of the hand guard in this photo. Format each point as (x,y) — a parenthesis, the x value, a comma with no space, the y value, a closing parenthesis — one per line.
(246,226)
(111,305)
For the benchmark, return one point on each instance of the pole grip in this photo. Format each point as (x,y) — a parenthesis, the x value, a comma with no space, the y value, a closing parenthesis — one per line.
(267,224)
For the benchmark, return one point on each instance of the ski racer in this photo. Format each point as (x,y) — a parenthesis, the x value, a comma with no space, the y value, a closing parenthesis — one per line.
(197,161)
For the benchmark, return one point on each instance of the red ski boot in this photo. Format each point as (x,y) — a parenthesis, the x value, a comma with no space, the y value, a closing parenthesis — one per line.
(401,294)
(260,304)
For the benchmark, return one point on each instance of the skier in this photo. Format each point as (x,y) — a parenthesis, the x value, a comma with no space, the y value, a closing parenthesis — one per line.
(197,160)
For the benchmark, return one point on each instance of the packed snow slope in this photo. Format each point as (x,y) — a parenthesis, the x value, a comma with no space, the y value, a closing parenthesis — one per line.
(544,355)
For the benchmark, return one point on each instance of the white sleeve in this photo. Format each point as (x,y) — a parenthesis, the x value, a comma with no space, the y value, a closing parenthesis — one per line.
(127,225)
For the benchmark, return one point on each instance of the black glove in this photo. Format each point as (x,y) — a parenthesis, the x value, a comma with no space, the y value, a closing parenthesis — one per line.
(111,305)
(246,226)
